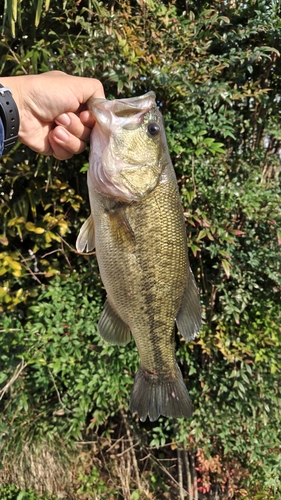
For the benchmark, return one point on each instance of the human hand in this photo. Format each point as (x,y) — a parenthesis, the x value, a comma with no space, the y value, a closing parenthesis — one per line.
(53,115)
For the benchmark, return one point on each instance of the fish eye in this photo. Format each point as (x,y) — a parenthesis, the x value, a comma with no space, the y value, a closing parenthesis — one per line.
(153,129)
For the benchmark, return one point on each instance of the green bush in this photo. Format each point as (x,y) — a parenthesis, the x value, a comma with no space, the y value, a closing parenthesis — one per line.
(11,492)
(69,373)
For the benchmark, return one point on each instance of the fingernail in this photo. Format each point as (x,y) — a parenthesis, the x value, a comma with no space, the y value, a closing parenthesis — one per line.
(63,119)
(62,134)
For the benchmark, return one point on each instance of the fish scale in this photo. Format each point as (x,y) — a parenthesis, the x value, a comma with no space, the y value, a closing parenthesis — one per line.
(161,280)
(138,229)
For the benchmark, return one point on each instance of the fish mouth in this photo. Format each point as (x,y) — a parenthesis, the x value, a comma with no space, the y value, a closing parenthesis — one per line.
(125,112)
(129,107)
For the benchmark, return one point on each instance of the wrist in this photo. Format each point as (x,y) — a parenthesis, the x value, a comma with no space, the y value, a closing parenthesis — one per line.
(16,84)
(9,115)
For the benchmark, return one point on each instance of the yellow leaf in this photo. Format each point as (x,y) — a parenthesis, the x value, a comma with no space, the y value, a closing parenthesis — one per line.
(63,226)
(39,230)
(34,229)
(49,235)
(30,226)
(7,261)
(15,265)
(16,220)
(4,240)
(17,274)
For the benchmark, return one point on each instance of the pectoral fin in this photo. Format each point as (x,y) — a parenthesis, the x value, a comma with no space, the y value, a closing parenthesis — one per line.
(120,224)
(112,328)
(189,316)
(86,236)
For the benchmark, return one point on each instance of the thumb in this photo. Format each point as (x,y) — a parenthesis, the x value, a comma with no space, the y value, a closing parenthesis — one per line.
(90,87)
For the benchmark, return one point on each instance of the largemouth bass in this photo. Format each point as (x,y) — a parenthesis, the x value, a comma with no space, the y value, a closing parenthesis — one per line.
(137,228)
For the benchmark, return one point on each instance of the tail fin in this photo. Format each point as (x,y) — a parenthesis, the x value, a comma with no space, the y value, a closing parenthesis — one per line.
(152,396)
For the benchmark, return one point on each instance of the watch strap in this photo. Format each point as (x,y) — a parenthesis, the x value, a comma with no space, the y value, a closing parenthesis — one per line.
(10,118)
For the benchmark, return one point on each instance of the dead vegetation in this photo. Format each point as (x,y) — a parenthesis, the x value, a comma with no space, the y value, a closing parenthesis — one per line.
(117,466)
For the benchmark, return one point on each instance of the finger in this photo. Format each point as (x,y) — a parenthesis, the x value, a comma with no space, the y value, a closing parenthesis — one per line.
(91,87)
(87,118)
(74,126)
(64,144)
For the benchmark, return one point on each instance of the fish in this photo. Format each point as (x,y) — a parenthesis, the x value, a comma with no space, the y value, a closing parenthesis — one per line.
(137,228)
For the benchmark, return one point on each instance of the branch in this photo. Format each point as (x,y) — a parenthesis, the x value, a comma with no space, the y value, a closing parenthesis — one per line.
(21,366)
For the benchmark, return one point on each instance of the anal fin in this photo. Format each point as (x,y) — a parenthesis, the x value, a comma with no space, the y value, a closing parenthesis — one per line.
(86,236)
(189,316)
(112,328)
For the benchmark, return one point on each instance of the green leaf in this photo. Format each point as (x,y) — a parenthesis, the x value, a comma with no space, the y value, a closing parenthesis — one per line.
(226,267)
(38,11)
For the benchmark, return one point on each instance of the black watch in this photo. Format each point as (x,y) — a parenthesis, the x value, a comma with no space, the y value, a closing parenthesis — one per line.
(10,118)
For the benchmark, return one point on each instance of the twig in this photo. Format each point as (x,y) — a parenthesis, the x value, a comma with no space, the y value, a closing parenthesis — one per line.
(166,472)
(29,269)
(135,463)
(57,391)
(10,330)
(194,476)
(125,451)
(50,253)
(21,366)
(114,444)
(181,490)
(17,60)
(74,249)
(188,473)
(86,442)
(193,175)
